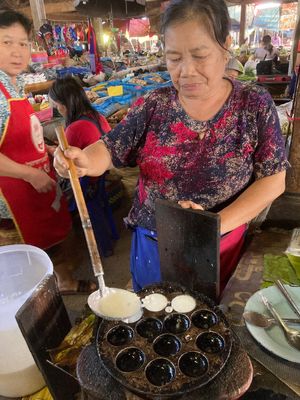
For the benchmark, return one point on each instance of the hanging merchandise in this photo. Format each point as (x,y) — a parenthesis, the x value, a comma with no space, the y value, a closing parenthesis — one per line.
(66,34)
(96,66)
(38,54)
(80,33)
(72,31)
(45,34)
(57,33)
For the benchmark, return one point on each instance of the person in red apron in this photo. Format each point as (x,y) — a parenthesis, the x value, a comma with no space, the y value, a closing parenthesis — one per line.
(39,213)
(30,197)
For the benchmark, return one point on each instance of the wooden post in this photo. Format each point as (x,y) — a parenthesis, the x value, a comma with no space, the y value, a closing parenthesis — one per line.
(296,37)
(293,174)
(285,211)
(242,22)
(97,25)
(38,13)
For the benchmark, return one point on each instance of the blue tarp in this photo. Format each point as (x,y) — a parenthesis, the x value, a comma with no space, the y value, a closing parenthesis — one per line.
(267,18)
(235,25)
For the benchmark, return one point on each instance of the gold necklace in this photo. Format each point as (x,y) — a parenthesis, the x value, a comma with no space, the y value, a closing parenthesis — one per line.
(201,135)
(202,131)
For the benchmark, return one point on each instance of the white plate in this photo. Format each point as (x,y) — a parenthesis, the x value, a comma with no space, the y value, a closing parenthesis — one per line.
(273,338)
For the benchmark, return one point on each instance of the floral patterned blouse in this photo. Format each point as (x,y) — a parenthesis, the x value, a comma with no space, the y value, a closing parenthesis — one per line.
(209,162)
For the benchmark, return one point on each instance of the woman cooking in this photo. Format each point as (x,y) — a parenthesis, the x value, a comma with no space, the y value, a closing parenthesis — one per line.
(32,209)
(207,142)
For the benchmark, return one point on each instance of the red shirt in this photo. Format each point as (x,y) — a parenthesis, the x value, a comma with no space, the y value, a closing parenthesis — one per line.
(82,133)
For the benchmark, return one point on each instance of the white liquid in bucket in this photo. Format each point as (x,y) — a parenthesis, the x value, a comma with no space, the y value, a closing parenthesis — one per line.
(19,375)
(22,268)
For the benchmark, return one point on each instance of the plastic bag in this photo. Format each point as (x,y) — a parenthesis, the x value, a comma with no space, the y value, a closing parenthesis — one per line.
(282,111)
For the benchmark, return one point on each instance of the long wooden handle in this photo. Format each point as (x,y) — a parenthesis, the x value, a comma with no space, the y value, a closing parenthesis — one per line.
(82,209)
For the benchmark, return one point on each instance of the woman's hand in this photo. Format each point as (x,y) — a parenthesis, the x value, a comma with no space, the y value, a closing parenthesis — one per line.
(40,180)
(190,204)
(79,158)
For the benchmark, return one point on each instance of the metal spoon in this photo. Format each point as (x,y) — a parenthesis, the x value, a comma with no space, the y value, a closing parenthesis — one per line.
(263,321)
(292,335)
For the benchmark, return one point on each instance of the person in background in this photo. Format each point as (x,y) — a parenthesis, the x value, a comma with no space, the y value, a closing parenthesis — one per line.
(234,68)
(276,40)
(245,46)
(266,51)
(84,126)
(32,208)
(207,142)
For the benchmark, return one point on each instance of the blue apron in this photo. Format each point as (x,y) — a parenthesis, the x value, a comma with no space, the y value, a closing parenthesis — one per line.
(144,258)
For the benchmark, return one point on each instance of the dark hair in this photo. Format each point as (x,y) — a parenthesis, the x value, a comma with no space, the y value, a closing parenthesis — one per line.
(70,93)
(11,17)
(267,43)
(213,13)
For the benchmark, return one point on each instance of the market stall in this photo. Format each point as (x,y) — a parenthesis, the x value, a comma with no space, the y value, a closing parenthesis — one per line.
(195,349)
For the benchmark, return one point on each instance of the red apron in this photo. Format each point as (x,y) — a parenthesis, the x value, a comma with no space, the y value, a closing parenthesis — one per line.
(42,219)
(231,247)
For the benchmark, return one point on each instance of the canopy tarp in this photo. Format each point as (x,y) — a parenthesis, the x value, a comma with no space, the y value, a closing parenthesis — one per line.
(139,27)
(136,27)
(267,18)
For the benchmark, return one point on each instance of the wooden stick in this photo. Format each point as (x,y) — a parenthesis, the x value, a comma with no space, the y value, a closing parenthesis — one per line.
(83,212)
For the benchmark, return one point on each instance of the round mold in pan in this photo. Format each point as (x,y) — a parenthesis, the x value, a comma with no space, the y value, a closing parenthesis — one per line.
(189,367)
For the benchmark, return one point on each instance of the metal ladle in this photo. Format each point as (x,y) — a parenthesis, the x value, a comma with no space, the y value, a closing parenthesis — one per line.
(103,301)
(292,335)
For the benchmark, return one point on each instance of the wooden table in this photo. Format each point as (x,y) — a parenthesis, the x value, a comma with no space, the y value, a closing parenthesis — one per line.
(40,87)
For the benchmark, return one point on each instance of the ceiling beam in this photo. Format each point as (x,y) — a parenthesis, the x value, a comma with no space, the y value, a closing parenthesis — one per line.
(239,2)
(58,11)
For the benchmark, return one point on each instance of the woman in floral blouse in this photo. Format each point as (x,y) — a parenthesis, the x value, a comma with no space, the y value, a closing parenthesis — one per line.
(207,142)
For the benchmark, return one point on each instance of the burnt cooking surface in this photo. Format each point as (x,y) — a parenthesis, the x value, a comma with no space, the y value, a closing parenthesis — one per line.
(166,353)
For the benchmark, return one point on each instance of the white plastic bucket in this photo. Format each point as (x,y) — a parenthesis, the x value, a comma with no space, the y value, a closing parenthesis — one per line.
(22,268)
